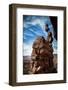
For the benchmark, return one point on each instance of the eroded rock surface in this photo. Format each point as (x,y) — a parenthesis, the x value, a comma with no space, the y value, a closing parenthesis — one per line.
(41,57)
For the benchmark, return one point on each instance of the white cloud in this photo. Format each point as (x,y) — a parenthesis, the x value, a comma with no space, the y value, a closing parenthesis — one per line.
(27,49)
(55,51)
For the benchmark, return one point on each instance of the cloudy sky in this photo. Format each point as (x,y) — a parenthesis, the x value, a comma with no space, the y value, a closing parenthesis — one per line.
(34,26)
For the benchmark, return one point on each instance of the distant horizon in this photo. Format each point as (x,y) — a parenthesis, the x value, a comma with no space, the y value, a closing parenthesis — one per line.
(30,56)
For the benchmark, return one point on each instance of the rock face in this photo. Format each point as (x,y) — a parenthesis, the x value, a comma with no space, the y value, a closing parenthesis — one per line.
(41,57)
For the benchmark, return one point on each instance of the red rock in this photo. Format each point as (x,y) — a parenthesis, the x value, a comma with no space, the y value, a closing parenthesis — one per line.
(42,56)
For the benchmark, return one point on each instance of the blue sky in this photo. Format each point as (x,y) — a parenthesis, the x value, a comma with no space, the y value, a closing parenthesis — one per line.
(34,26)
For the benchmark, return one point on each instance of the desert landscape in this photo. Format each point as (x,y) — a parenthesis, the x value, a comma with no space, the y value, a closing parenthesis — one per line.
(26,64)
